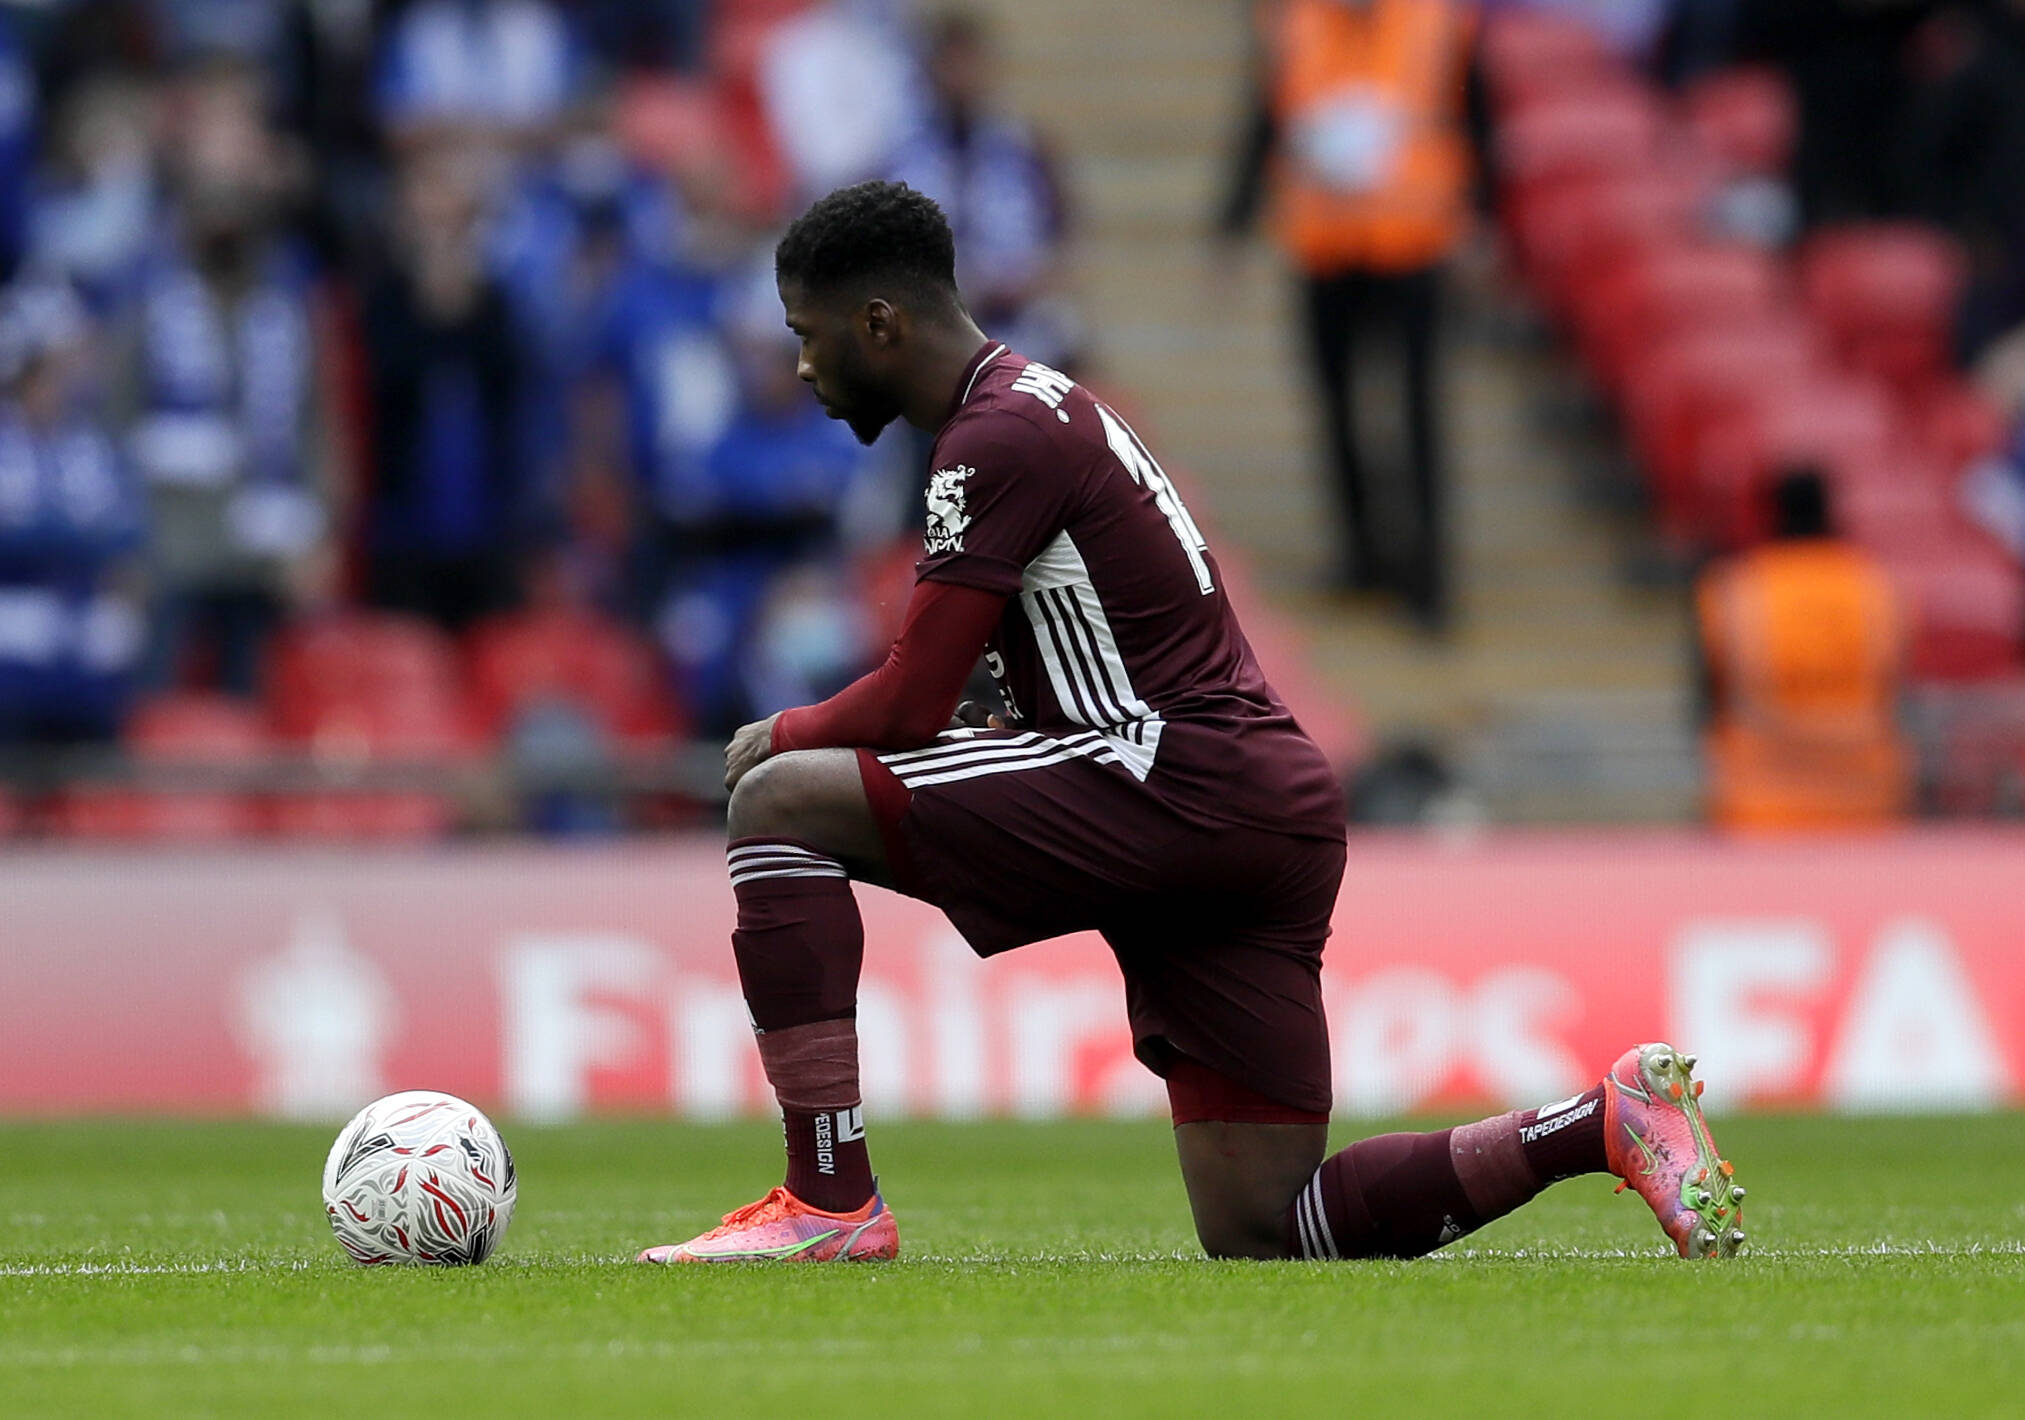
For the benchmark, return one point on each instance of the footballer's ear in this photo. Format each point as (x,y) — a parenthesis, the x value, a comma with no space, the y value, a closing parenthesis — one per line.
(881,321)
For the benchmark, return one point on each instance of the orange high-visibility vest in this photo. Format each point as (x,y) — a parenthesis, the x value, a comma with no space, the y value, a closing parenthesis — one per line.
(1805,640)
(1399,64)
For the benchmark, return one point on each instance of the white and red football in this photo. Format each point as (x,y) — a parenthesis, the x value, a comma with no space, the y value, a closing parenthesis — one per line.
(419,1177)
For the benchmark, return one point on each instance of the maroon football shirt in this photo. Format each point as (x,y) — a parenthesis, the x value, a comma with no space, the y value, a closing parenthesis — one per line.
(1117,619)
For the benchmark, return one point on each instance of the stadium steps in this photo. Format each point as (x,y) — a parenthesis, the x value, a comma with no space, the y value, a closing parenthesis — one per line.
(1562,693)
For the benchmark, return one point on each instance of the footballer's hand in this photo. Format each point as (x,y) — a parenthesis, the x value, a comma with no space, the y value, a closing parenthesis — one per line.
(972,716)
(752,744)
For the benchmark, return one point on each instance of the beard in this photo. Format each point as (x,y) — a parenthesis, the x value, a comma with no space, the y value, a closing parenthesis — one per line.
(855,398)
(867,424)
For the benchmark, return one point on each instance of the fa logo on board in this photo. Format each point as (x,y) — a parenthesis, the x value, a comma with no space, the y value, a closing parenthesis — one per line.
(946,517)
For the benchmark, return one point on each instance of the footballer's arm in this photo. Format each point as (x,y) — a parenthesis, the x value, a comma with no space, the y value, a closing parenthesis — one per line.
(903,704)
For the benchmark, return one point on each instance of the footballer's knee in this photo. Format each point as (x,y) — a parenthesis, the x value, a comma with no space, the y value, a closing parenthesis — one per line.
(1248,1239)
(1241,1178)
(769,802)
(814,797)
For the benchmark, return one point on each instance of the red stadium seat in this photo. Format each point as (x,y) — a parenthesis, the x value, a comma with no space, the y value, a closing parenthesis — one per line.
(1968,610)
(1616,127)
(1567,227)
(1886,294)
(574,657)
(409,727)
(1747,120)
(1828,423)
(1897,508)
(357,690)
(206,730)
(357,658)
(1674,390)
(1527,56)
(1659,294)
(1955,423)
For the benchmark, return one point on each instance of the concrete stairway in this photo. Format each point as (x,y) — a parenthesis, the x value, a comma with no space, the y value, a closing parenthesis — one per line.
(1561,694)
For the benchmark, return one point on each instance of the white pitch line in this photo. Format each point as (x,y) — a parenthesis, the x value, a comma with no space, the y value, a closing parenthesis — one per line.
(138,1269)
(1453,1257)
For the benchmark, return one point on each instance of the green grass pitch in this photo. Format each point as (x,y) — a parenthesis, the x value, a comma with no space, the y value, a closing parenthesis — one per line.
(184,1269)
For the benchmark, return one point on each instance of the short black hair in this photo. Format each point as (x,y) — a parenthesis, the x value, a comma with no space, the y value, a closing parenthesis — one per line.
(875,229)
(1801,504)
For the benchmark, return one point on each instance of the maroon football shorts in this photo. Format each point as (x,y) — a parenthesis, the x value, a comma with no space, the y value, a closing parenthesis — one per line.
(1218,929)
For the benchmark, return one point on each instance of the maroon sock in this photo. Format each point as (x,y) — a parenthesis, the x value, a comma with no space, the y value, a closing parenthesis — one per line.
(814,1072)
(799,941)
(1393,1196)
(1565,1138)
(1402,1195)
(800,944)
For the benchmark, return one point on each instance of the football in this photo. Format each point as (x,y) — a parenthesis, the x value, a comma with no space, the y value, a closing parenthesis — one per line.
(419,1177)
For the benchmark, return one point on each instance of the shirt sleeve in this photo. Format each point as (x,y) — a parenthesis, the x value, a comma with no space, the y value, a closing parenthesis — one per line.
(909,699)
(1000,492)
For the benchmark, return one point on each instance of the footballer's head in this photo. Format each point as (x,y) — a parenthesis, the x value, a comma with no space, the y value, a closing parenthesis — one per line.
(864,275)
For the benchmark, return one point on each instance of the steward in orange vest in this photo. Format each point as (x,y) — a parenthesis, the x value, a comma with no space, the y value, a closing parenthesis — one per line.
(1358,122)
(1802,643)
(1375,169)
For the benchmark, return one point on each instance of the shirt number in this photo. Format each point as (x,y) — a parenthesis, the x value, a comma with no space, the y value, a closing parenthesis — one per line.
(1147,473)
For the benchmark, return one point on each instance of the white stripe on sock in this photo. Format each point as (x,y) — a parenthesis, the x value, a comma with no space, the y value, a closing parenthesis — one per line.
(1322,1215)
(739,879)
(775,850)
(782,861)
(1308,1248)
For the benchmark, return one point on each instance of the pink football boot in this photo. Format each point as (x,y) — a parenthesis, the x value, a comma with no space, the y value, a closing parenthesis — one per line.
(782,1228)
(1657,1142)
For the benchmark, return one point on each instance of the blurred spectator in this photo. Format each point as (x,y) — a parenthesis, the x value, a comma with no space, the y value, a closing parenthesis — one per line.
(741,480)
(567,691)
(1703,37)
(17,145)
(659,35)
(502,67)
(70,528)
(1001,192)
(1846,58)
(569,229)
(1802,643)
(223,376)
(1360,115)
(95,203)
(839,93)
(254,31)
(1961,152)
(446,511)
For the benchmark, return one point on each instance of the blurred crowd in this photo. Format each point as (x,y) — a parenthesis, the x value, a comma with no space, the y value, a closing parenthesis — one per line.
(337,322)
(1786,240)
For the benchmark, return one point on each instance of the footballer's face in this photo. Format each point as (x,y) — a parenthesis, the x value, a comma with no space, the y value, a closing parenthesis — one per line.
(846,350)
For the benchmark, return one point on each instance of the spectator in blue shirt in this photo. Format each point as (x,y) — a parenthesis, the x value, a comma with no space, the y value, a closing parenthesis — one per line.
(505,68)
(570,229)
(222,371)
(17,145)
(71,518)
(95,205)
(993,177)
(741,485)
(445,519)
